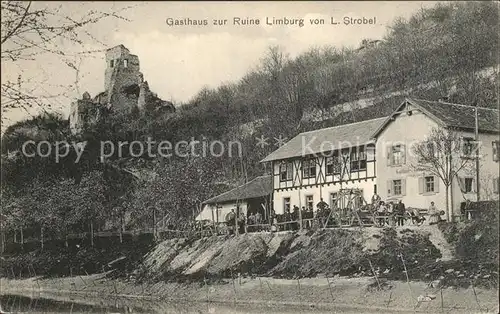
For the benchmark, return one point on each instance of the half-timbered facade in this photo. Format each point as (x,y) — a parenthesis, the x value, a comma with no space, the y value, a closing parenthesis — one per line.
(316,165)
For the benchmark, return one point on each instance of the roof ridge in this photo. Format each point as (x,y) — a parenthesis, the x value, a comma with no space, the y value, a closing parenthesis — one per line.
(239,186)
(336,126)
(450,103)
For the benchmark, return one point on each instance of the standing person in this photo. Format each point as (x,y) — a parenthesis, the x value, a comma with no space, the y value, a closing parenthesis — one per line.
(230,217)
(376,200)
(322,205)
(241,220)
(258,218)
(288,217)
(433,214)
(296,217)
(274,224)
(321,208)
(390,213)
(251,222)
(305,215)
(400,212)
(381,212)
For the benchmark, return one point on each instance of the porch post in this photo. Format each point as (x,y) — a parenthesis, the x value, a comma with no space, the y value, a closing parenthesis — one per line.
(300,209)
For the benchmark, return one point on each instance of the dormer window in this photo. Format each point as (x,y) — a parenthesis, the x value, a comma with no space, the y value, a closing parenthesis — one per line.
(125,63)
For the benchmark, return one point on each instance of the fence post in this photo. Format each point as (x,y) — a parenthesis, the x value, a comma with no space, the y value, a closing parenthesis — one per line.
(22,238)
(91,233)
(300,219)
(41,236)
(2,235)
(154,224)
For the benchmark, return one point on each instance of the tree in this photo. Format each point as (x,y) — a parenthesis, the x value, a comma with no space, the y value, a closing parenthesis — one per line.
(441,154)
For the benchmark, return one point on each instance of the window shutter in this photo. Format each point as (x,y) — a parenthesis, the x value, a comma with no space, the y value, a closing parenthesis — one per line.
(461,184)
(403,154)
(436,184)
(389,188)
(495,182)
(474,186)
(389,151)
(403,187)
(495,150)
(421,185)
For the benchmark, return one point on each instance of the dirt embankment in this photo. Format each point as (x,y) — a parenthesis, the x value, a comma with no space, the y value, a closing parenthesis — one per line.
(396,254)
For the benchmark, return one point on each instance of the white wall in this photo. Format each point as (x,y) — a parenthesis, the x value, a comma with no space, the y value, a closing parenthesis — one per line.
(488,172)
(222,210)
(410,129)
(406,130)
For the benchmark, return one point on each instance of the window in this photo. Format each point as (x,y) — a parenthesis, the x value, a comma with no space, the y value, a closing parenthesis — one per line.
(310,202)
(358,159)
(396,155)
(333,164)
(286,204)
(333,200)
(125,63)
(396,187)
(309,168)
(286,171)
(467,184)
(496,154)
(112,63)
(429,184)
(468,147)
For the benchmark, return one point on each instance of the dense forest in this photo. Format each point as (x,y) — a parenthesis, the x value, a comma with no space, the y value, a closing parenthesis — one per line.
(449,51)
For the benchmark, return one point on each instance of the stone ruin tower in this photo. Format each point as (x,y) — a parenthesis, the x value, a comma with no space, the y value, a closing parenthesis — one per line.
(124,91)
(122,78)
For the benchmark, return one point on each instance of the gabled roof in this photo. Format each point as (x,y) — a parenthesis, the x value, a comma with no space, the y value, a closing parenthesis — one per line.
(451,115)
(121,46)
(258,187)
(327,139)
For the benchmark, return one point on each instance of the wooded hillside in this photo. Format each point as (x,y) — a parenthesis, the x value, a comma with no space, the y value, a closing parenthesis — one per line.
(450,51)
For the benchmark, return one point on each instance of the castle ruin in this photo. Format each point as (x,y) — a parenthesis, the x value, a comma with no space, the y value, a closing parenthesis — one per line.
(124,91)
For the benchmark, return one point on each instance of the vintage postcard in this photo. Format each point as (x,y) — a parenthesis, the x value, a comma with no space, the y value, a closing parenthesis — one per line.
(249,157)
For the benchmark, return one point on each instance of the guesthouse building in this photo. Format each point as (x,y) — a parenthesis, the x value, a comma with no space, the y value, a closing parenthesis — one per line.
(376,156)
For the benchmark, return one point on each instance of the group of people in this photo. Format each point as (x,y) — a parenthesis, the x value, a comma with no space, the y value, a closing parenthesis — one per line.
(391,213)
(290,219)
(386,213)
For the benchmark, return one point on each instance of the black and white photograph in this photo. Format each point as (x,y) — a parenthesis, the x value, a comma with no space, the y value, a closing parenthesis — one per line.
(250,157)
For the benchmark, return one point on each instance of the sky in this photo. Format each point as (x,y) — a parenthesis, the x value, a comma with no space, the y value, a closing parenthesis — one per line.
(177,61)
